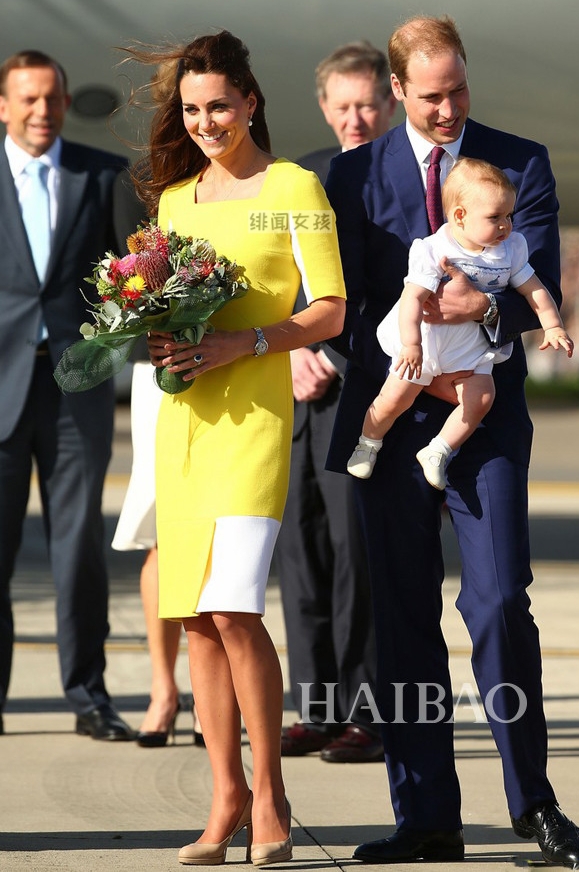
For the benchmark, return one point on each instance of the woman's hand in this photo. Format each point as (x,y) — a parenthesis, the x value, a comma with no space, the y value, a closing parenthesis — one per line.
(215,349)
(156,343)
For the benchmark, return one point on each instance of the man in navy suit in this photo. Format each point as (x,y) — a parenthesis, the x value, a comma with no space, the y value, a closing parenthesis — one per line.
(322,563)
(378,193)
(68,437)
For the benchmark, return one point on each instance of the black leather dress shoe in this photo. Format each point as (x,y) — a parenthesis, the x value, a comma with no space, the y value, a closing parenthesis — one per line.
(558,837)
(355,745)
(437,846)
(103,722)
(301,739)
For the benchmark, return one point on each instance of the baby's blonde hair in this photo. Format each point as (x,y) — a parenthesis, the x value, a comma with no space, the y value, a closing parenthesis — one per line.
(466,175)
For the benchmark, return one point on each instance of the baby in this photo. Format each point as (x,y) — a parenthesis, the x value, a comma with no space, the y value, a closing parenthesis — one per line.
(478,201)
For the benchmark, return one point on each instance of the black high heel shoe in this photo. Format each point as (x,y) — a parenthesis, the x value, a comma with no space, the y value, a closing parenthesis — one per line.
(197,733)
(159,738)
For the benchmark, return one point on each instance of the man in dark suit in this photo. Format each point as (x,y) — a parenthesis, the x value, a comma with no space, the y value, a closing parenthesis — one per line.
(68,437)
(320,554)
(378,193)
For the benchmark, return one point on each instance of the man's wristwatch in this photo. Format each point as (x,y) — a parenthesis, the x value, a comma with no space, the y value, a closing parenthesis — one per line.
(261,345)
(492,313)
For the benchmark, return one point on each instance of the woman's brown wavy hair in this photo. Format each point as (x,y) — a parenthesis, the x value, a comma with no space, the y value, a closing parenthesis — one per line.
(172,155)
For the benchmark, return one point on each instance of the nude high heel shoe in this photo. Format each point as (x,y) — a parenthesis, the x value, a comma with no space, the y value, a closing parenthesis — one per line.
(274,852)
(208,854)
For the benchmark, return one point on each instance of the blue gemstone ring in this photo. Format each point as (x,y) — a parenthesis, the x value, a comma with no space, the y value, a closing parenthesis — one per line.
(198,358)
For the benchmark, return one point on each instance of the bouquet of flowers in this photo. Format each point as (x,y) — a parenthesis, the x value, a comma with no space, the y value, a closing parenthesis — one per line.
(167,282)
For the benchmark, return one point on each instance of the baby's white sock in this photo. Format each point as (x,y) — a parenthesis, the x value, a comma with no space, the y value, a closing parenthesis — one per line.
(439,444)
(371,443)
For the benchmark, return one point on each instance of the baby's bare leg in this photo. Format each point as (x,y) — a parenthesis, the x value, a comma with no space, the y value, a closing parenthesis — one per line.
(396,396)
(475,398)
(475,394)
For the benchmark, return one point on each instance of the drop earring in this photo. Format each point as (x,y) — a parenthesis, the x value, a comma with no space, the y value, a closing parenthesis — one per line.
(250,123)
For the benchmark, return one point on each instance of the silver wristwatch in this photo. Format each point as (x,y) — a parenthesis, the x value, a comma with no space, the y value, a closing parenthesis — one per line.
(261,345)
(492,313)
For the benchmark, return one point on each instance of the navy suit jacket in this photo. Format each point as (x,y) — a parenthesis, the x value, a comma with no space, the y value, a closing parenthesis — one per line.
(378,195)
(84,232)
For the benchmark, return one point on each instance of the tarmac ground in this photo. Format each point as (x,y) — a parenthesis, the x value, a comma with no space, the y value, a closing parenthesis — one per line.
(69,803)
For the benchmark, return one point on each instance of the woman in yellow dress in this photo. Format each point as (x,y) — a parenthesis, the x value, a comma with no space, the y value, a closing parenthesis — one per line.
(223,445)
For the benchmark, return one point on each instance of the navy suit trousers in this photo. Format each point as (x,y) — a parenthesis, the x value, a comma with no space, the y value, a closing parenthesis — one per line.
(487,492)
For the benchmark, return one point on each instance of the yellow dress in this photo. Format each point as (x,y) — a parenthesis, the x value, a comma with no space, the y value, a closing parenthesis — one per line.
(223,446)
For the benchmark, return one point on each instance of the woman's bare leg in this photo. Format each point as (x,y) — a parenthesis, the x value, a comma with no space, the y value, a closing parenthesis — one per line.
(163,638)
(216,703)
(233,652)
(258,683)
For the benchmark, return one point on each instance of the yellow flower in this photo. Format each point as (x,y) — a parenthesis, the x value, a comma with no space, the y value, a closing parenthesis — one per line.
(135,284)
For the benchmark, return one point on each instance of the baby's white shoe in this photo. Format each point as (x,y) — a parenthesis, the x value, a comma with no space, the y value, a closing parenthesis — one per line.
(433,463)
(362,461)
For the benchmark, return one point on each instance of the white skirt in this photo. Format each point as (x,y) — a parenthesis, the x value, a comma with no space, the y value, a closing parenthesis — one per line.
(136,527)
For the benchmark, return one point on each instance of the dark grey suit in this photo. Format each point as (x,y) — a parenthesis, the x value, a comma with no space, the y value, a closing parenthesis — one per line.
(69,437)
(321,558)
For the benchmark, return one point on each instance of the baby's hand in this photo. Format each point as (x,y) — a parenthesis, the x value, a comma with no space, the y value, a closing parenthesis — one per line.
(557,337)
(409,362)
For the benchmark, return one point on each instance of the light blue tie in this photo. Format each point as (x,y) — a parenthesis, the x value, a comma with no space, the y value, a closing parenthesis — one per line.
(36,215)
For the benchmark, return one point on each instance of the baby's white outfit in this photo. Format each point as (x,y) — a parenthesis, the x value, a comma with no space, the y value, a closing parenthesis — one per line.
(454,347)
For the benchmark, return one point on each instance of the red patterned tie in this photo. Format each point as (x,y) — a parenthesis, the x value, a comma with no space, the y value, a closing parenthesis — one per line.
(433,197)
